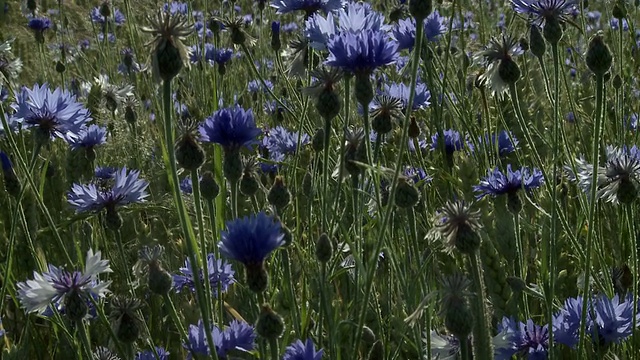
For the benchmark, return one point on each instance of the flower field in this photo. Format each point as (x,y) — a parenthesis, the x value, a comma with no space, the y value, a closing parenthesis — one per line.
(319,179)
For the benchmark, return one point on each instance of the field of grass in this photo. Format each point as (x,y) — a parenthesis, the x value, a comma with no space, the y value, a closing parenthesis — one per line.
(363,180)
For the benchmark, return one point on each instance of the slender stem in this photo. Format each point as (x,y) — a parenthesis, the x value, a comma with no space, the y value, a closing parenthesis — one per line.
(273,346)
(597,128)
(325,173)
(392,192)
(553,240)
(195,181)
(481,338)
(192,246)
(234,198)
(464,349)
(634,259)
(84,338)
(216,253)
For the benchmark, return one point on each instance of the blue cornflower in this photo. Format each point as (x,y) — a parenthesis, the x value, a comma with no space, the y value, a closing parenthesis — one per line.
(6,162)
(232,128)
(417,175)
(281,140)
(39,25)
(453,141)
(256,86)
(129,64)
(127,188)
(195,53)
(238,336)
(273,108)
(4,94)
(308,6)
(250,240)
(615,24)
(362,52)
(220,273)
(151,355)
(202,29)
(356,17)
(302,351)
(87,137)
(541,11)
(275,28)
(175,7)
(517,338)
(111,37)
(401,92)
(54,114)
(105,172)
(497,183)
(116,16)
(290,27)
(186,185)
(222,56)
(57,285)
(405,30)
(505,142)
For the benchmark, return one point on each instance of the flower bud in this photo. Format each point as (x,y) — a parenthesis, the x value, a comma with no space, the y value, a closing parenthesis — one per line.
(599,57)
(130,115)
(377,351)
(407,196)
(364,89)
(168,61)
(627,192)
(105,9)
(328,104)
(60,68)
(113,220)
(270,325)
(275,36)
(307,185)
(209,188)
(414,129)
(160,281)
(420,9)
(125,320)
(458,319)
(248,184)
(279,195)
(75,306)
(467,240)
(317,142)
(257,277)
(324,249)
(536,42)
(552,30)
(509,71)
(189,154)
(232,166)
(619,10)
(514,204)
(617,82)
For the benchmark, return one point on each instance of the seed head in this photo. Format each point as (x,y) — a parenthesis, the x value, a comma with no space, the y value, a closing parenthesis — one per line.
(169,52)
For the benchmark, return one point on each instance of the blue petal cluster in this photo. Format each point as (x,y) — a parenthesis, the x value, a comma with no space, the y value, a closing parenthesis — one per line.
(497,183)
(361,52)
(308,6)
(302,351)
(453,141)
(401,92)
(151,355)
(517,338)
(541,10)
(117,17)
(237,336)
(219,271)
(608,321)
(405,30)
(87,138)
(232,128)
(250,240)
(127,188)
(54,112)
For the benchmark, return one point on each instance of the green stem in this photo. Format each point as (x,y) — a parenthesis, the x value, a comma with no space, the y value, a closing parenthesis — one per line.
(325,173)
(634,259)
(84,339)
(219,300)
(392,192)
(203,242)
(482,345)
(192,246)
(273,346)
(597,128)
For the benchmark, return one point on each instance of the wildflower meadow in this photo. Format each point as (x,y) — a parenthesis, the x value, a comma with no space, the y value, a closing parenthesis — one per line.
(319,179)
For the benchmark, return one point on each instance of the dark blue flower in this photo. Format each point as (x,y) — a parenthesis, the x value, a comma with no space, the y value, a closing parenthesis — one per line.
(232,128)
(362,52)
(615,24)
(497,183)
(151,355)
(4,93)
(255,86)
(105,172)
(222,56)
(517,338)
(220,273)
(6,162)
(87,138)
(176,7)
(116,16)
(129,64)
(401,92)
(186,185)
(453,141)
(504,142)
(405,30)
(53,113)
(302,351)
(290,27)
(281,140)
(417,175)
(127,188)
(238,336)
(308,6)
(541,10)
(275,28)
(39,24)
(613,321)
(250,240)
